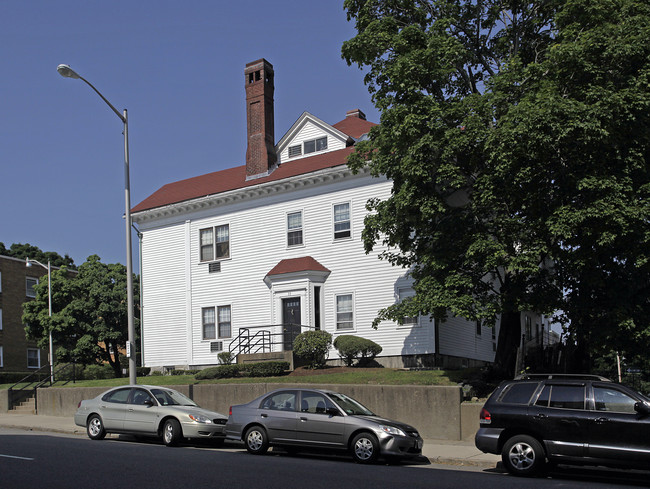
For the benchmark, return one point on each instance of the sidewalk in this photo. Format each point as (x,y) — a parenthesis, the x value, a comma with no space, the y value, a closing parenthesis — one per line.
(437,451)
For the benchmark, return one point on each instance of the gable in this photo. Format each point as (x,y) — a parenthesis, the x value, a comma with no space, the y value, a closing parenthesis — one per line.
(310,136)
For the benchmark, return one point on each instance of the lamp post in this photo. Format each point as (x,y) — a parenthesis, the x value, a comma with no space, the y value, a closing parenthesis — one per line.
(67,72)
(28,263)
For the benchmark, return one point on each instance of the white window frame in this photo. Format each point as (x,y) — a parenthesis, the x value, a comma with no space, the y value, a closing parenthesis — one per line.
(27,288)
(38,356)
(337,312)
(301,229)
(315,141)
(349,221)
(204,337)
(414,321)
(219,323)
(214,244)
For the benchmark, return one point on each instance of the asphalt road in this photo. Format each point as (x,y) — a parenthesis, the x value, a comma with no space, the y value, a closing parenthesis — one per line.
(53,461)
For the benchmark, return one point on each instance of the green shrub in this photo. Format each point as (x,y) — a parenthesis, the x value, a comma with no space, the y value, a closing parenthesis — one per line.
(142,371)
(260,369)
(184,372)
(225,357)
(219,372)
(353,348)
(313,346)
(96,372)
(266,369)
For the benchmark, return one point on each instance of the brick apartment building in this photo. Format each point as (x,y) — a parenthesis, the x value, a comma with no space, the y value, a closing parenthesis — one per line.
(17,354)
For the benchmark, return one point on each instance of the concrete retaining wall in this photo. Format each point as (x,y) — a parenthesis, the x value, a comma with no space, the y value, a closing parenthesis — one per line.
(436,411)
(4,400)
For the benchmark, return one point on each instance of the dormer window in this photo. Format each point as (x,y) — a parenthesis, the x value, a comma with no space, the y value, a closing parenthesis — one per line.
(295,151)
(314,145)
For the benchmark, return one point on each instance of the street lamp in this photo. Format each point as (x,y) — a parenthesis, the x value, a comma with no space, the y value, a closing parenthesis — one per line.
(28,263)
(67,72)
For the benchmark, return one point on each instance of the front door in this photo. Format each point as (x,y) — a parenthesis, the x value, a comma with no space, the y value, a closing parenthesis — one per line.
(290,321)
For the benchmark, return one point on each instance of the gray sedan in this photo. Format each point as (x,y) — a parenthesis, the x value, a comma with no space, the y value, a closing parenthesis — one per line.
(315,418)
(150,411)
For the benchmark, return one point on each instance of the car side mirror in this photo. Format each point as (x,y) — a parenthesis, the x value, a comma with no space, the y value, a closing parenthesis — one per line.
(148,402)
(642,407)
(333,411)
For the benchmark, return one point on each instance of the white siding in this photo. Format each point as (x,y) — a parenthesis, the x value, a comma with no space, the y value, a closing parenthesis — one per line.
(257,243)
(164,298)
(458,338)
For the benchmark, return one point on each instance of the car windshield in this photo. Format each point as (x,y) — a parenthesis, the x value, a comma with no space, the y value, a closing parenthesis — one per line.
(349,405)
(170,397)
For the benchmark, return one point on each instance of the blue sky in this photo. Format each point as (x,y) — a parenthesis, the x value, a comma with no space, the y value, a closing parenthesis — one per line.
(177,67)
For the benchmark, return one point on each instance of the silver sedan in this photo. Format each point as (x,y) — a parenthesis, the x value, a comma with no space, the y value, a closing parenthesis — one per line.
(150,411)
(313,418)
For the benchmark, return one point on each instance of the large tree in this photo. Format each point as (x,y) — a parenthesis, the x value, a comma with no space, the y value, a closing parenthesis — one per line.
(24,251)
(89,313)
(516,137)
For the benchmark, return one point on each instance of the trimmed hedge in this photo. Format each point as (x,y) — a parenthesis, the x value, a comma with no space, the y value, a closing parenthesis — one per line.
(260,369)
(353,348)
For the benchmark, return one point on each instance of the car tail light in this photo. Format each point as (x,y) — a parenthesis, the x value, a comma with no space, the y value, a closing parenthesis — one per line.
(79,405)
(230,411)
(486,417)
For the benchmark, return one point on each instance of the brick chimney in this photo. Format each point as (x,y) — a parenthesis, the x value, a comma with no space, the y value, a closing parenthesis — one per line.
(355,113)
(260,152)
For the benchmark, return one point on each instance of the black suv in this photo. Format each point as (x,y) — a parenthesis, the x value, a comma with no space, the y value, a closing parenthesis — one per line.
(583,420)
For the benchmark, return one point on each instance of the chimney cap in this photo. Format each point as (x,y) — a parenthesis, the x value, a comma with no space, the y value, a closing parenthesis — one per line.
(356,113)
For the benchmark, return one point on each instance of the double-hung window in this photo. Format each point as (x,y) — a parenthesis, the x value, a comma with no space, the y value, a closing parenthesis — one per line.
(223,316)
(208,323)
(344,312)
(407,320)
(29,286)
(294,228)
(214,243)
(342,221)
(216,320)
(33,358)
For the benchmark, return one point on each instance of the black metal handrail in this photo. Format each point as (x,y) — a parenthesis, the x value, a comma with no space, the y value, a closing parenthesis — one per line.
(263,341)
(42,379)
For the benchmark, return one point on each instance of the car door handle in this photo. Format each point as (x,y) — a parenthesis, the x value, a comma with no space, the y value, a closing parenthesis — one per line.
(601,420)
(130,410)
(540,416)
(264,415)
(302,418)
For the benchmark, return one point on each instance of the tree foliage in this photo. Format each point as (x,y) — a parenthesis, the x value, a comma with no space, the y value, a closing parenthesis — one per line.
(516,135)
(24,251)
(89,313)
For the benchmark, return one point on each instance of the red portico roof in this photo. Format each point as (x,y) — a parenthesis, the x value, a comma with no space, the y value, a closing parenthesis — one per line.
(293,265)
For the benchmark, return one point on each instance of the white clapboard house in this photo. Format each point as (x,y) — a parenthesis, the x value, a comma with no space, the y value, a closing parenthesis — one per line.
(243,259)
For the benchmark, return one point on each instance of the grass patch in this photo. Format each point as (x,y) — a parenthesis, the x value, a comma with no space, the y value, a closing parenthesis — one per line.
(377,376)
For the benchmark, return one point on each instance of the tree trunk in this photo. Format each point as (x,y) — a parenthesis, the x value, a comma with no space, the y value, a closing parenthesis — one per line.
(509,340)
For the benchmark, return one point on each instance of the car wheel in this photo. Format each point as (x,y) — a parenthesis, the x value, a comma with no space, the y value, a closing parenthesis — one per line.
(256,440)
(523,455)
(365,448)
(95,428)
(172,433)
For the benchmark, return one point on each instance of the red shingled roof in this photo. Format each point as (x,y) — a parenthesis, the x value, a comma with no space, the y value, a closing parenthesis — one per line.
(302,264)
(235,178)
(354,126)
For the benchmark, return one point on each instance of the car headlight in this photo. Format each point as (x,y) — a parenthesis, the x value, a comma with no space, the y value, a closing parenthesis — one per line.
(198,418)
(391,430)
